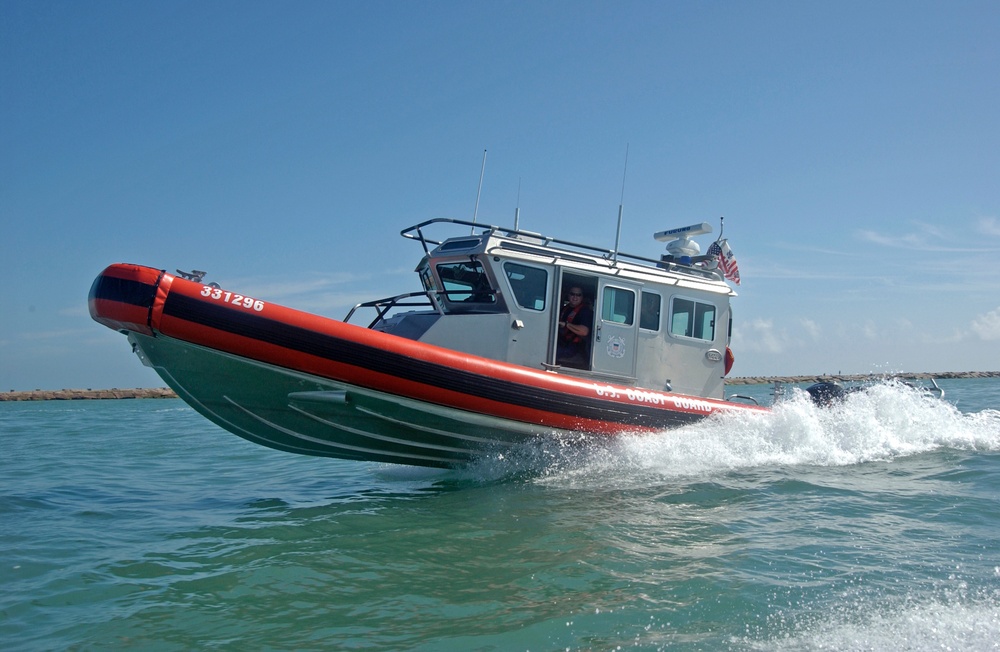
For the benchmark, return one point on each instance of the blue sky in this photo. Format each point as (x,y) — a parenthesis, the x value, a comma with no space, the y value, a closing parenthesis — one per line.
(853,147)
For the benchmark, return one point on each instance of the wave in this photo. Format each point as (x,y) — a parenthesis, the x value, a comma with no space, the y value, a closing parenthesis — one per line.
(953,619)
(885,422)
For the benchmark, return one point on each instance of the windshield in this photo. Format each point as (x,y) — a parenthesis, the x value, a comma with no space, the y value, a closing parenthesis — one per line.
(466,281)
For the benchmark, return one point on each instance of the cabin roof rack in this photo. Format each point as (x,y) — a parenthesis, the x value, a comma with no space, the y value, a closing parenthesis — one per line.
(416,232)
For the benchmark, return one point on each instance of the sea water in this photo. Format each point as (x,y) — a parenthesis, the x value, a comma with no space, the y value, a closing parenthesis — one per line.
(871,525)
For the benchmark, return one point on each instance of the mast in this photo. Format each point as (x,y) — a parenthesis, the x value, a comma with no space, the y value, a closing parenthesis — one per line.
(479,192)
(517,207)
(621,204)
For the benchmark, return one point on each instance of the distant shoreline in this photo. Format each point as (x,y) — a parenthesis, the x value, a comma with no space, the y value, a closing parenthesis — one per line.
(86,394)
(164,392)
(850,378)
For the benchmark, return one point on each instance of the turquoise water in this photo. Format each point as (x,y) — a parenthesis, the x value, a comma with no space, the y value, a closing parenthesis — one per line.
(870,526)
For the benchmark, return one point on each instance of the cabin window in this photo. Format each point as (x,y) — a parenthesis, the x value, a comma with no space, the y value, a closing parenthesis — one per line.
(649,312)
(618,305)
(529,285)
(426,279)
(690,318)
(453,245)
(466,281)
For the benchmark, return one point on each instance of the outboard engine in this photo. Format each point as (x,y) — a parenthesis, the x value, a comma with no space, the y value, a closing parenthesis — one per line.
(825,393)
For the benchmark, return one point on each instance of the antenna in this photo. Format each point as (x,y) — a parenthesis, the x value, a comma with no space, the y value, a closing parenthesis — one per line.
(621,204)
(517,207)
(479,192)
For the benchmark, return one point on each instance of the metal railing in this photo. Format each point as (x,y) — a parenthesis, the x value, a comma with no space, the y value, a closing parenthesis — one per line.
(383,306)
(432,300)
(532,239)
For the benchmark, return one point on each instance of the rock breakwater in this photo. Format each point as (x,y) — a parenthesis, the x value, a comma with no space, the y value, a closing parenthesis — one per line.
(85,394)
(852,378)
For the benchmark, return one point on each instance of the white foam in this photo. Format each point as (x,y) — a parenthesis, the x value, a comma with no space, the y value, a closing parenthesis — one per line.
(949,622)
(883,423)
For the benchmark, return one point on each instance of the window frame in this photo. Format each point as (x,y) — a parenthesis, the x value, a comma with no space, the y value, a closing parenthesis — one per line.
(514,287)
(607,307)
(459,295)
(642,311)
(693,318)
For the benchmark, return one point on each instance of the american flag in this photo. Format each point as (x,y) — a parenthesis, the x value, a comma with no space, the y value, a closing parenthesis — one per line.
(727,260)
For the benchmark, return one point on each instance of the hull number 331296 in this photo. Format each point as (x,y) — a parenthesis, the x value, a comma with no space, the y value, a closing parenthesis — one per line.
(234,299)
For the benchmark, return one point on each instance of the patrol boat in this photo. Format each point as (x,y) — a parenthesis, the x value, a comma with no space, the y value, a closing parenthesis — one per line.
(466,367)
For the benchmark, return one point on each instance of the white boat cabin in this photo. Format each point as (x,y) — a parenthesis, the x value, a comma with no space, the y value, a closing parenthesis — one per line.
(658,324)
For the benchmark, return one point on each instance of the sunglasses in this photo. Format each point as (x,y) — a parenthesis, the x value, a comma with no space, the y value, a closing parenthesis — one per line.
(576,294)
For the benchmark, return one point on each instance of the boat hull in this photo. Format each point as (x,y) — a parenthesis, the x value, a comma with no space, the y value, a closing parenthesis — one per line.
(307,384)
(299,413)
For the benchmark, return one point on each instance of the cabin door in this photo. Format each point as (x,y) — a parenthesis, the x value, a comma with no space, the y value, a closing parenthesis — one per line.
(616,327)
